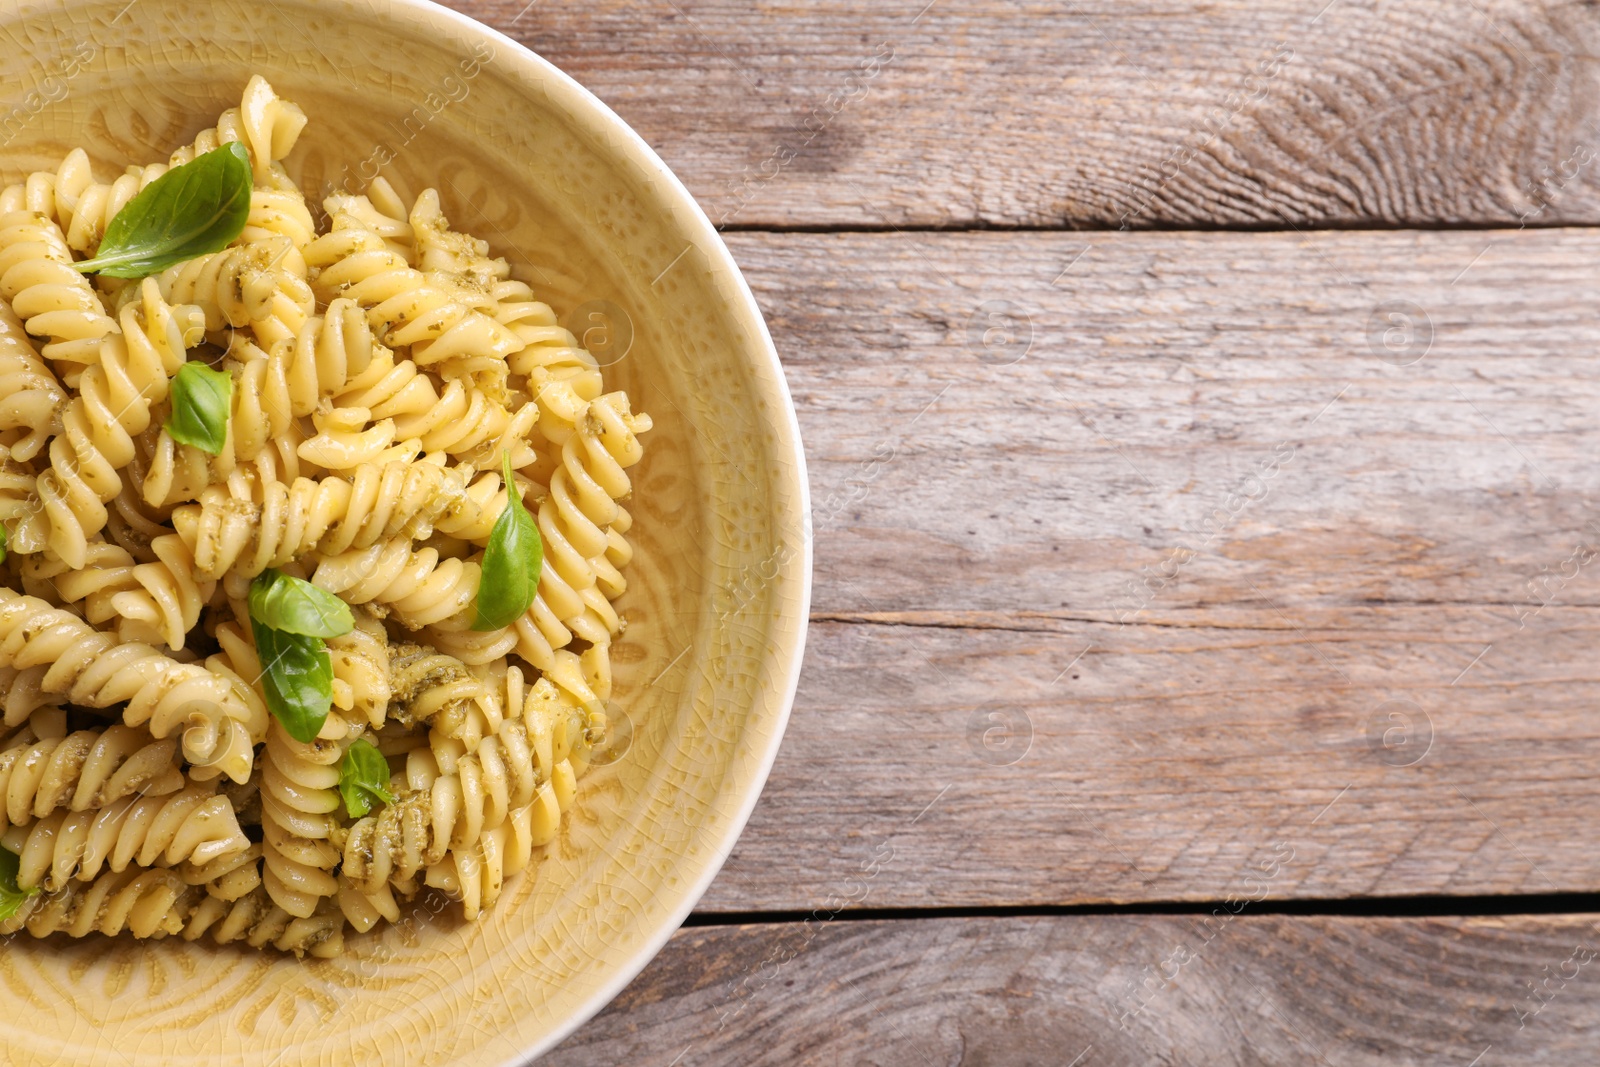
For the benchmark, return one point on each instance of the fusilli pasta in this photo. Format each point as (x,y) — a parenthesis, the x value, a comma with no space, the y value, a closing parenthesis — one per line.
(31,398)
(193,825)
(98,425)
(93,669)
(440,324)
(298,799)
(385,379)
(44,770)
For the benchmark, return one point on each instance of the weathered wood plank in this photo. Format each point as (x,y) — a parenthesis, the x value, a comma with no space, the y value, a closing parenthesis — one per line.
(1110,990)
(1167,372)
(979,527)
(1096,112)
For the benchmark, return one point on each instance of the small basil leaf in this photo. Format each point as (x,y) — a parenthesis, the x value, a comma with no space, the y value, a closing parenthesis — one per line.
(293,606)
(297,678)
(4,541)
(192,210)
(510,575)
(363,778)
(201,399)
(11,896)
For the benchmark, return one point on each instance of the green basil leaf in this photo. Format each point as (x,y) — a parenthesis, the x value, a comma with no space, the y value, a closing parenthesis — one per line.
(297,678)
(511,562)
(189,211)
(294,606)
(4,541)
(363,778)
(201,399)
(11,896)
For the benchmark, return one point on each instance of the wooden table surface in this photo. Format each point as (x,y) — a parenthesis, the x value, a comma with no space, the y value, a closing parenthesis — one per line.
(1203,421)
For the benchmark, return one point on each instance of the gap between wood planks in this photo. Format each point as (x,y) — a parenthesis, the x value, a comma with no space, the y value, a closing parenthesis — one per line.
(1411,907)
(1067,226)
(1039,622)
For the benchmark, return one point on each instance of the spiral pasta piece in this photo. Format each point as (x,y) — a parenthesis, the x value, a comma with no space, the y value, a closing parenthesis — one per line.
(264,410)
(442,251)
(391,846)
(360,660)
(107,571)
(593,472)
(523,775)
(279,522)
(464,260)
(173,473)
(417,585)
(143,902)
(98,425)
(391,401)
(192,825)
(31,398)
(383,211)
(278,213)
(254,919)
(84,771)
(467,422)
(561,375)
(442,328)
(427,686)
(94,670)
(328,352)
(299,795)
(579,580)
(268,126)
(228,877)
(363,911)
(581,526)
(475,875)
(53,300)
(167,604)
(344,441)
(260,284)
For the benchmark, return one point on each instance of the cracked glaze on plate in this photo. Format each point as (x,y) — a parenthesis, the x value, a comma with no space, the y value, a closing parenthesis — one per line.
(718,589)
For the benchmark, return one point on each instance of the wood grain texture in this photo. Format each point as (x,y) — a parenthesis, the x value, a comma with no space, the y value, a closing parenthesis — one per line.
(1111,990)
(1096,113)
(1060,655)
